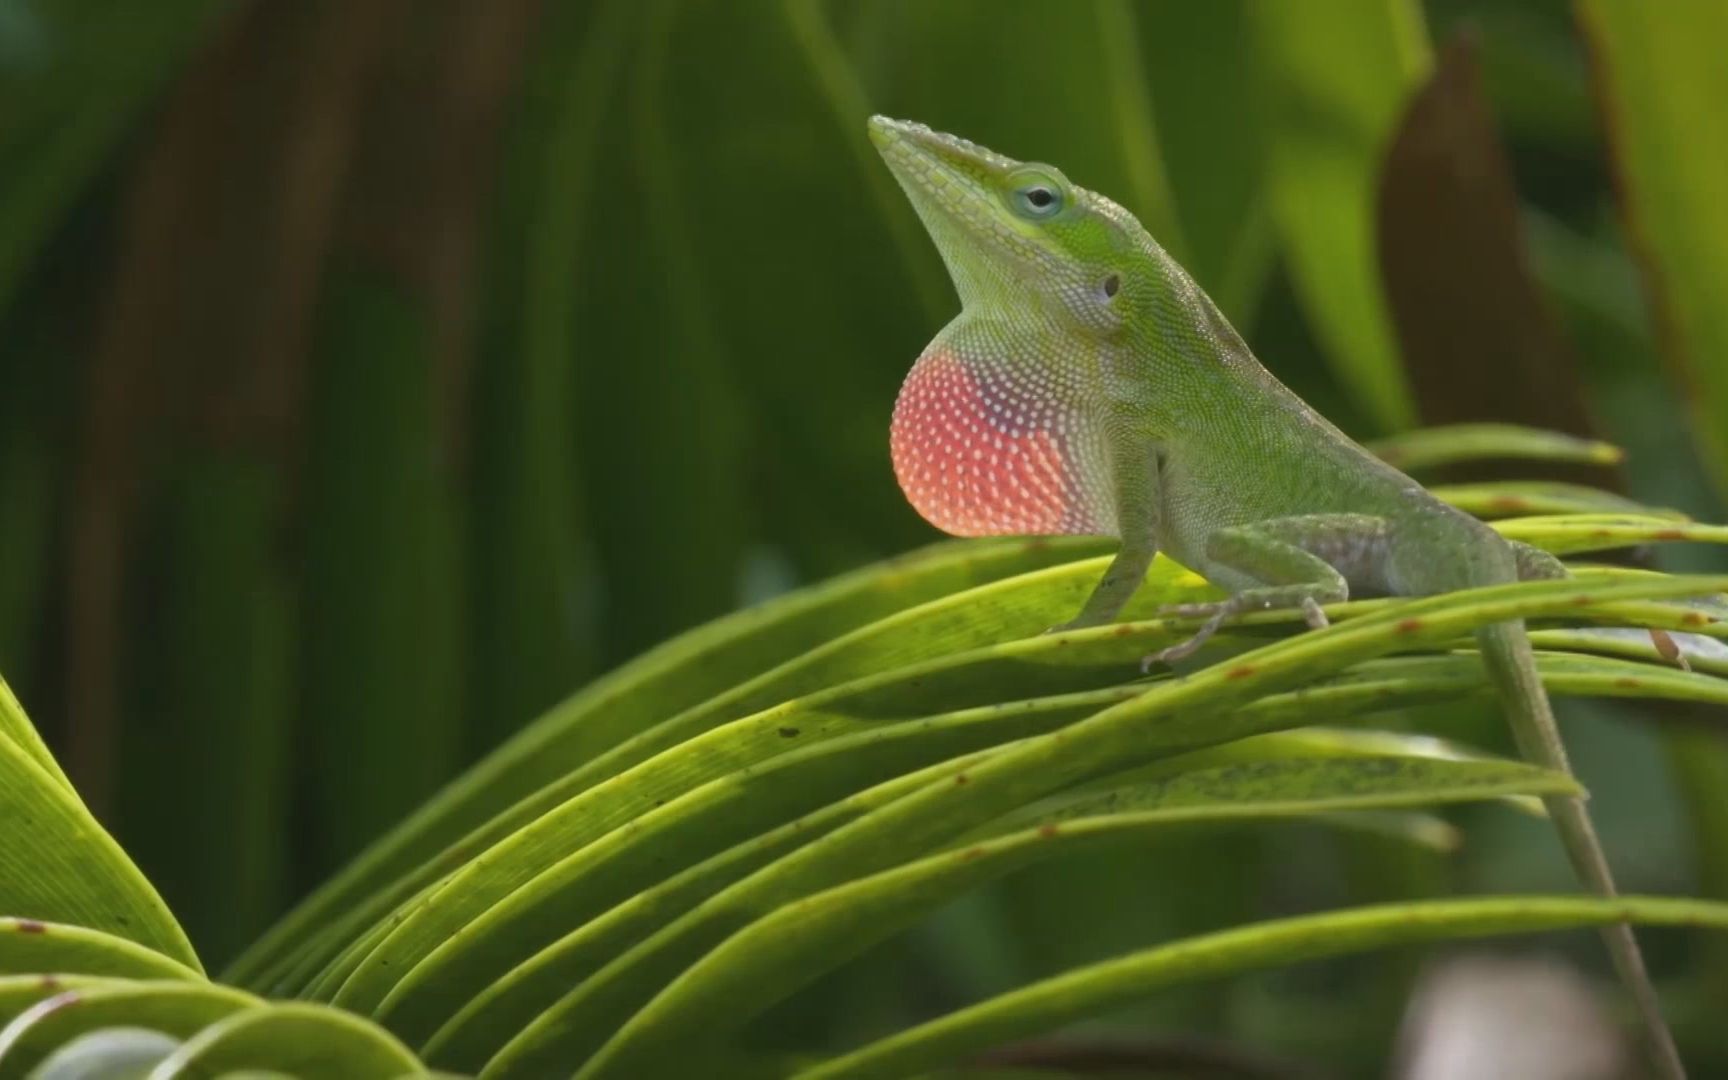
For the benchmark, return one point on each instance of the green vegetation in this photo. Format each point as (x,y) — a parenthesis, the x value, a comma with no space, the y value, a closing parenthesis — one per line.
(447,538)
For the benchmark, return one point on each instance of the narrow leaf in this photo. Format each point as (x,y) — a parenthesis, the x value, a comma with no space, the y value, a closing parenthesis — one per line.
(1660,82)
(1451,444)
(1115,983)
(30,946)
(782,951)
(58,863)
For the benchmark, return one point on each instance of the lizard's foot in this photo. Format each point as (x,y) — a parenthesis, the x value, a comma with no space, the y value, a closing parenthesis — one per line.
(1217,613)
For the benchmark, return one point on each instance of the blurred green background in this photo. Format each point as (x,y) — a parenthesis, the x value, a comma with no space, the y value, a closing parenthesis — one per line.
(373,373)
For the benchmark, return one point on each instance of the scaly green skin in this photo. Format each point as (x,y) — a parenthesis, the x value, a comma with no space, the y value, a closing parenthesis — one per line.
(1088,385)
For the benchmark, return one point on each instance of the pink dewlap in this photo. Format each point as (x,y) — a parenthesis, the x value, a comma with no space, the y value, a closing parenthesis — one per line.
(976,459)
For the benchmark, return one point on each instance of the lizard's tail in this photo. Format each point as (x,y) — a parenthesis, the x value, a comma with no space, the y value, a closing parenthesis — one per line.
(1512,667)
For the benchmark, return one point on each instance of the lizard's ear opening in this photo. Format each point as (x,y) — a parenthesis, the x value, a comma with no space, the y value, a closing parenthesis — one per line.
(984,446)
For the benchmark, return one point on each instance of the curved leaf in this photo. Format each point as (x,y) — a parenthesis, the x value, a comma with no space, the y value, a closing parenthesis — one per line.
(863,682)
(798,942)
(508,1002)
(30,945)
(19,992)
(364,976)
(1170,717)
(1101,987)
(115,1053)
(174,1008)
(684,672)
(58,863)
(299,1040)
(16,727)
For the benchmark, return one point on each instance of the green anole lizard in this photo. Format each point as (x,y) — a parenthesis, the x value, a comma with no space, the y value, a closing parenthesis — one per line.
(1089,386)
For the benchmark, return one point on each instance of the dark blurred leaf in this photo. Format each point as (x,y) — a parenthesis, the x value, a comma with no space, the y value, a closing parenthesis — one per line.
(1086,64)
(792,292)
(1478,338)
(206,788)
(531,607)
(80,71)
(1333,75)
(1213,146)
(192,397)
(662,424)
(382,650)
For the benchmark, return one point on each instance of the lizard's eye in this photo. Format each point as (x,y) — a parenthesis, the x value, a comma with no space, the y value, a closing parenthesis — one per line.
(1036,195)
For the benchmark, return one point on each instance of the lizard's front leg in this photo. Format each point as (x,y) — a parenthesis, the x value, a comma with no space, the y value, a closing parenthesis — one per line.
(1136,492)
(1296,562)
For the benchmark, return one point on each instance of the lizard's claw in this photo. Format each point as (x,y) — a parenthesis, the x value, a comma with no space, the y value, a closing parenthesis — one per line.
(1313,615)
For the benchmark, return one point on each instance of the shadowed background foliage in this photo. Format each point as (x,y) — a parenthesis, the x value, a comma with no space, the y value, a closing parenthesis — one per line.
(373,374)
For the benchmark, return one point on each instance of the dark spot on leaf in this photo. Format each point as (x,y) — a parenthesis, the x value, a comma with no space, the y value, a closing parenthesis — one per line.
(1508,502)
(1047,831)
(1124,629)
(961,778)
(1036,545)
(788,733)
(970,853)
(1240,672)
(48,982)
(1628,682)
(1695,618)
(1583,601)
(31,926)
(1668,534)
(1407,626)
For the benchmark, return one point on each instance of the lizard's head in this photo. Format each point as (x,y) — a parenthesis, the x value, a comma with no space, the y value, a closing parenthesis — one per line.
(1016,233)
(1001,426)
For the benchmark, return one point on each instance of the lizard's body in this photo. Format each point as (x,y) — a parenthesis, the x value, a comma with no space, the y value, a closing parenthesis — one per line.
(1090,386)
